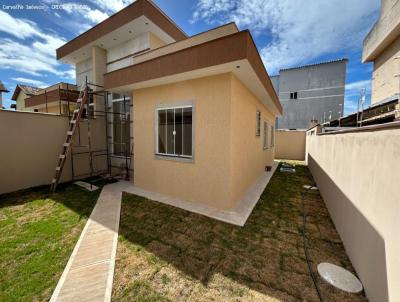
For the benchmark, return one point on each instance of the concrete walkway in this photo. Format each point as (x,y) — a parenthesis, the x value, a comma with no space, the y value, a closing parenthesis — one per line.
(88,275)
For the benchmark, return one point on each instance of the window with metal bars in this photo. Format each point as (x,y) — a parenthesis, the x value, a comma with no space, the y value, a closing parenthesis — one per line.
(174,135)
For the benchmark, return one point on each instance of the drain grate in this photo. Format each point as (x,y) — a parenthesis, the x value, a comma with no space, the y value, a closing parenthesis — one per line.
(287,170)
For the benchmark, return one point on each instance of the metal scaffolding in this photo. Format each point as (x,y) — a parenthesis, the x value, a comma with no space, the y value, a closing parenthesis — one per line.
(110,122)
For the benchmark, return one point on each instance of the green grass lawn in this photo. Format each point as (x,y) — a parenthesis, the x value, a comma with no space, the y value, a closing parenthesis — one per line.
(38,232)
(168,254)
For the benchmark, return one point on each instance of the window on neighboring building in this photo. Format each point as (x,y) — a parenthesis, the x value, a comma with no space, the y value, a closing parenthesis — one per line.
(258,122)
(174,131)
(293,95)
(121,125)
(272,136)
(265,145)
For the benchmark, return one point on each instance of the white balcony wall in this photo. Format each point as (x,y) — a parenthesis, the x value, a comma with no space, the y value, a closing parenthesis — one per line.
(125,49)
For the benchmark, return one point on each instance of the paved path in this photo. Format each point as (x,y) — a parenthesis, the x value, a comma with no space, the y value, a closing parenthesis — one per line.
(88,275)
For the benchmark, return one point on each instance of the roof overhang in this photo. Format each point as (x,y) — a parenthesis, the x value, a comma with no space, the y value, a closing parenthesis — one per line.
(384,32)
(234,53)
(16,93)
(122,22)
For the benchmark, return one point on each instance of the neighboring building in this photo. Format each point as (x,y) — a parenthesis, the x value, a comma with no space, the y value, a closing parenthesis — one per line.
(382,47)
(203,107)
(22,92)
(310,93)
(2,89)
(53,99)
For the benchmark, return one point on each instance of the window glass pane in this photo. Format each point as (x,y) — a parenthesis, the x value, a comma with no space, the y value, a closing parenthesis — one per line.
(121,128)
(187,131)
(178,130)
(265,134)
(162,135)
(117,129)
(272,136)
(170,132)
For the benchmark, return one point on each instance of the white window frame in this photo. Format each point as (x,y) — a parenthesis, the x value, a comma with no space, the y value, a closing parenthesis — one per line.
(272,136)
(128,101)
(156,126)
(258,123)
(265,137)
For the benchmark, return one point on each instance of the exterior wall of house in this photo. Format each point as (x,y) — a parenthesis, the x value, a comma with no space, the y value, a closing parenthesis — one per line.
(320,93)
(31,144)
(384,81)
(20,102)
(290,144)
(155,41)
(207,178)
(358,174)
(53,108)
(99,57)
(248,156)
(84,69)
(228,157)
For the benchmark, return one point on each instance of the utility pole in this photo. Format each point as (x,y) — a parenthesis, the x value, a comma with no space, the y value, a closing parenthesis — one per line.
(361,102)
(397,108)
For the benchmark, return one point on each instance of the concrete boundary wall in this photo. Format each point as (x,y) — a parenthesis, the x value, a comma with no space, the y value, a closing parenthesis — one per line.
(30,144)
(290,144)
(358,173)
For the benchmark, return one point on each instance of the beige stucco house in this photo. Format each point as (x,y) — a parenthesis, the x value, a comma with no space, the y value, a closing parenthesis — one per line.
(382,47)
(203,107)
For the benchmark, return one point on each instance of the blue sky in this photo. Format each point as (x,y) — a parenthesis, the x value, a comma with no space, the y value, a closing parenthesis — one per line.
(288,33)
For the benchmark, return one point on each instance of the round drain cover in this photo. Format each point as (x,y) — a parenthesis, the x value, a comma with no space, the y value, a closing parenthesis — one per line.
(339,277)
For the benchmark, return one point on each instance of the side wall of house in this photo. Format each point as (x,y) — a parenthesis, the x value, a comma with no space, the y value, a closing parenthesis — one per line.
(290,144)
(248,156)
(155,41)
(205,180)
(384,81)
(358,176)
(21,101)
(30,146)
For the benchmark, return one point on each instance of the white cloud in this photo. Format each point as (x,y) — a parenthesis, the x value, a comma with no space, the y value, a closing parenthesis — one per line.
(354,88)
(96,15)
(353,93)
(112,6)
(20,28)
(78,10)
(69,74)
(36,83)
(300,31)
(36,55)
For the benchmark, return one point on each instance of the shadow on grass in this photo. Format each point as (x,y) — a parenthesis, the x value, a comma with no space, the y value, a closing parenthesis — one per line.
(75,198)
(38,232)
(266,255)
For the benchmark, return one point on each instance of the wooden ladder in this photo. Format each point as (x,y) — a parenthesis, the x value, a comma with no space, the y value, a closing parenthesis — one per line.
(73,125)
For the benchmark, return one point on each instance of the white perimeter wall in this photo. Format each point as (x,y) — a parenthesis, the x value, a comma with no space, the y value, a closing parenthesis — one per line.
(290,144)
(358,175)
